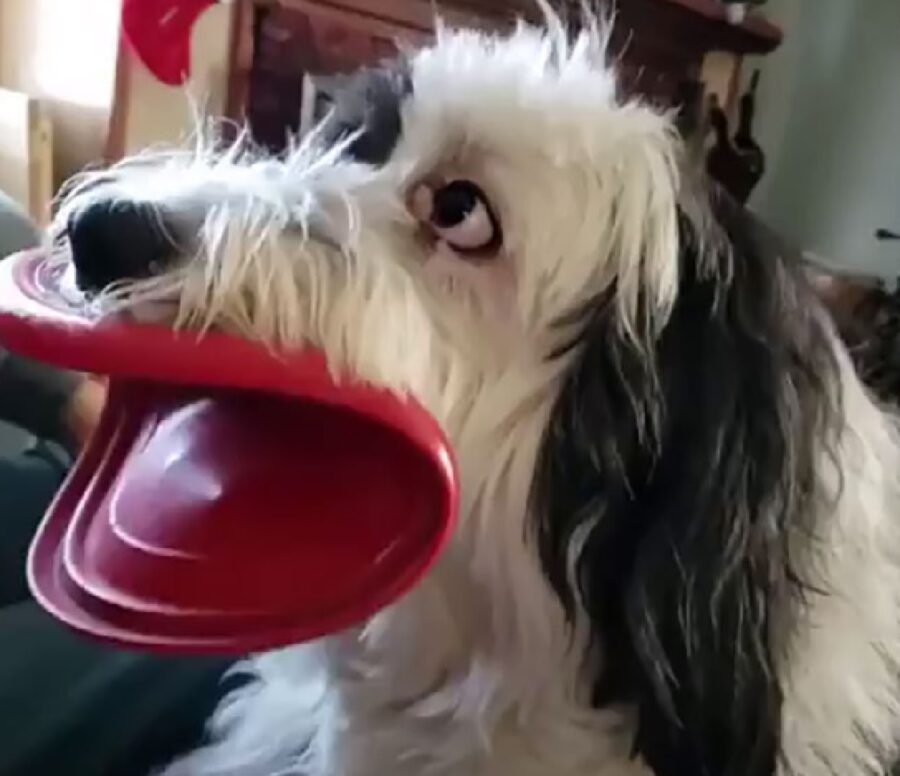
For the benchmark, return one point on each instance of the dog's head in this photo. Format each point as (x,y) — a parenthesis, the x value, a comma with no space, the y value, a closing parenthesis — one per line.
(466,202)
(638,392)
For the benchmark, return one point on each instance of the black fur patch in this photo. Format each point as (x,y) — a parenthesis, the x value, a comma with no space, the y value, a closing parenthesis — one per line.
(368,104)
(685,480)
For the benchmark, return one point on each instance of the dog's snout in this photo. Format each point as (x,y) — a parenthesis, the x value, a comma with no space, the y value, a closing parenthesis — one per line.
(117,240)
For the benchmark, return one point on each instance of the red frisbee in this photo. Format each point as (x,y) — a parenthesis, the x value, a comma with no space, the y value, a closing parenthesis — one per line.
(233,498)
(159,32)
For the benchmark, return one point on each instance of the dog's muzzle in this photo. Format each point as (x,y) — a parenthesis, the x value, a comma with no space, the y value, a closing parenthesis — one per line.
(114,240)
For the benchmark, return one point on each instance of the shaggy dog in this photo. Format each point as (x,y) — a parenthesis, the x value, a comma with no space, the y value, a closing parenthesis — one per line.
(678,545)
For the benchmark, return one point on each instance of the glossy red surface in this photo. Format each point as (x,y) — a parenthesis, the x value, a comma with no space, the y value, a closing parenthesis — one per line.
(159,32)
(233,498)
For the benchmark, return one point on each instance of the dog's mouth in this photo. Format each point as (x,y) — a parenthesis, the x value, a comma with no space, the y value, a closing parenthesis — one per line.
(233,498)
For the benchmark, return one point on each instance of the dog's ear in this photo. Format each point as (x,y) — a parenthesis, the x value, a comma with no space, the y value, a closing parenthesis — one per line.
(666,489)
(638,183)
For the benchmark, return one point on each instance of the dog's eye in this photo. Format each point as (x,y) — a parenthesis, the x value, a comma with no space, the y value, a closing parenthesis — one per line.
(460,214)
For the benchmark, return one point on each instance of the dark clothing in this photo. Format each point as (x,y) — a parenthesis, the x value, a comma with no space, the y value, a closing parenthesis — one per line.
(28,481)
(71,706)
(34,395)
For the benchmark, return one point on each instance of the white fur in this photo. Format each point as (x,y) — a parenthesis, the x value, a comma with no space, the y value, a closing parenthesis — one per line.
(840,667)
(474,673)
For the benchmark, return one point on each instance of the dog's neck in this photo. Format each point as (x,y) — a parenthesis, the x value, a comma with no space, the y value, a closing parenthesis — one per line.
(482,639)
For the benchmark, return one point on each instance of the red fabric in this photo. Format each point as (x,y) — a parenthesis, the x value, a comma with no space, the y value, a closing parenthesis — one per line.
(159,32)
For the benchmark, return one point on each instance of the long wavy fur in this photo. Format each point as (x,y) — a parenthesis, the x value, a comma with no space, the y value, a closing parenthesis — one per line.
(681,479)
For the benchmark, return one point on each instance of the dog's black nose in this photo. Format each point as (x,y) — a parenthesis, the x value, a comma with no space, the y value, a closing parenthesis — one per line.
(117,240)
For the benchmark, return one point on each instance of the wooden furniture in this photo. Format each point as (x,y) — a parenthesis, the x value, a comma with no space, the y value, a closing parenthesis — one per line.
(279,46)
(26,153)
(666,44)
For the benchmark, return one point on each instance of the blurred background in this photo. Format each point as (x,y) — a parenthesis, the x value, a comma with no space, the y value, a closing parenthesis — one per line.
(826,116)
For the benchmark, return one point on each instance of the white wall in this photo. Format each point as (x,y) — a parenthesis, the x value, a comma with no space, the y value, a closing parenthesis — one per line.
(830,122)
(64,51)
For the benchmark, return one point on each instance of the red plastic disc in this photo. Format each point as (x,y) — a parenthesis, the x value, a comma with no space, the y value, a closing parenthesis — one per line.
(233,498)
(159,32)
